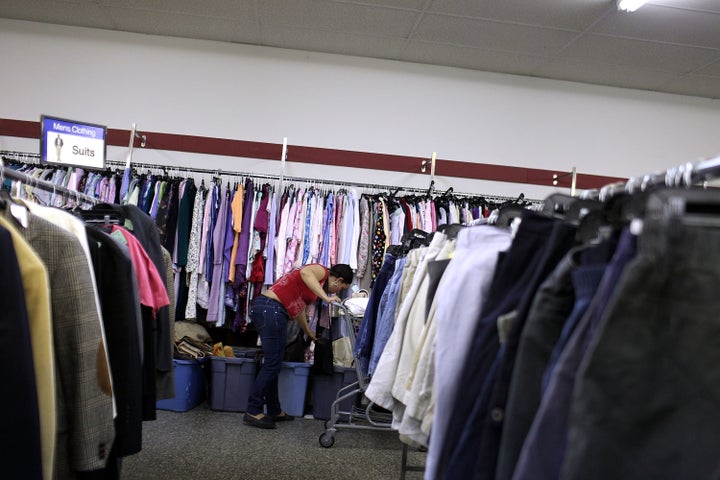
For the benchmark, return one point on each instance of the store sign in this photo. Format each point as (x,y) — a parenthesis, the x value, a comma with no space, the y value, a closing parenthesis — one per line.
(68,142)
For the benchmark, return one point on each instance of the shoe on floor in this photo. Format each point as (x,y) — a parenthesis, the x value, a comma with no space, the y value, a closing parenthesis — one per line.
(262,422)
(283,417)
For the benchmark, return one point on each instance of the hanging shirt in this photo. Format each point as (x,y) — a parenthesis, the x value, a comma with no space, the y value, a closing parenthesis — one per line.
(159,192)
(293,237)
(364,243)
(355,235)
(241,261)
(282,239)
(349,220)
(386,225)
(205,233)
(111,192)
(307,230)
(316,228)
(185,214)
(214,203)
(261,223)
(150,284)
(302,226)
(271,240)
(237,212)
(378,242)
(125,186)
(194,253)
(254,245)
(216,305)
(327,225)
(335,227)
(145,195)
(397,217)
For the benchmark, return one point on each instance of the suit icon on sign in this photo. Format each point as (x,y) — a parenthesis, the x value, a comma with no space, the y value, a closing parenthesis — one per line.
(58,146)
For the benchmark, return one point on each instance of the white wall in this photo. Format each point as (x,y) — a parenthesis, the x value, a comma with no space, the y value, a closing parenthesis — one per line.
(263,94)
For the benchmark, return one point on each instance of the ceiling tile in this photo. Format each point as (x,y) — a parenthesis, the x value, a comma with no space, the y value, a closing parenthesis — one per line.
(183,25)
(338,17)
(586,40)
(491,35)
(81,14)
(698,85)
(662,24)
(212,8)
(332,42)
(712,69)
(604,74)
(638,53)
(702,5)
(406,4)
(468,57)
(568,14)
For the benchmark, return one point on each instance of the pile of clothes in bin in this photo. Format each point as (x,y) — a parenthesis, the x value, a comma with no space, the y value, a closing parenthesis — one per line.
(192,341)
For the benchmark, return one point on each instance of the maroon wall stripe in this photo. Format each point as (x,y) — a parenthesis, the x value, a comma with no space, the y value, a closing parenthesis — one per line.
(326,156)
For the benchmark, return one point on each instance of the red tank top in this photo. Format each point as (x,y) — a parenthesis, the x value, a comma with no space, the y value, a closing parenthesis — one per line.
(292,292)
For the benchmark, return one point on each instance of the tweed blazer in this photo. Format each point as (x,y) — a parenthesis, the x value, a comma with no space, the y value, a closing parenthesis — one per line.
(85,430)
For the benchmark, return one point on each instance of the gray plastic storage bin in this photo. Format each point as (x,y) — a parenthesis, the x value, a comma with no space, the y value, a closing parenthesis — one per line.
(230,382)
(325,389)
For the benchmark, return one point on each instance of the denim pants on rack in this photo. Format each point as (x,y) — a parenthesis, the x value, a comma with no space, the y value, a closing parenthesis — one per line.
(270,319)
(386,314)
(366,333)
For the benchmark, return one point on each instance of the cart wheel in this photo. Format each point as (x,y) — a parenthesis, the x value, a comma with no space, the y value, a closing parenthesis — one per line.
(327,440)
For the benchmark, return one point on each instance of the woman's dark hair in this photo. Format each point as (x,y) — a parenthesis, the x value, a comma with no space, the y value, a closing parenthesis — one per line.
(343,271)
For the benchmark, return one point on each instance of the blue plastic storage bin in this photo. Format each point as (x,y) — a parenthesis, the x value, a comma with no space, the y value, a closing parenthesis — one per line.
(292,386)
(189,386)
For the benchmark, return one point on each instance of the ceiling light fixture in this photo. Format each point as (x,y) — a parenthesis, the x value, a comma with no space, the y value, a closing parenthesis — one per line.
(630,5)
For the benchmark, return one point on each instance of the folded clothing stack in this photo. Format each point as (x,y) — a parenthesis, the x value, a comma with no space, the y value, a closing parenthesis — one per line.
(188,347)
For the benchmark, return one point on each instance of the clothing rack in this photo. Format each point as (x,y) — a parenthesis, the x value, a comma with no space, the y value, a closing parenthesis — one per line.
(685,175)
(22,177)
(25,157)
(312,181)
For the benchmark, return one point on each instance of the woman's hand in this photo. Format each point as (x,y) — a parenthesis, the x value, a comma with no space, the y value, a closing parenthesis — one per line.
(302,321)
(333,298)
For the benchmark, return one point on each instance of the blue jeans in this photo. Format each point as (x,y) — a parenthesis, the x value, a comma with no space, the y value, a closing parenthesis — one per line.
(366,333)
(270,319)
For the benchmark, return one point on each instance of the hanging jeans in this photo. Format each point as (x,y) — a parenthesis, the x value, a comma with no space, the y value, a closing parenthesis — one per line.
(366,334)
(270,319)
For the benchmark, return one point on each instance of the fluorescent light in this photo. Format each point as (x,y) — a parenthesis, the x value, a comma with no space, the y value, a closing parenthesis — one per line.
(630,5)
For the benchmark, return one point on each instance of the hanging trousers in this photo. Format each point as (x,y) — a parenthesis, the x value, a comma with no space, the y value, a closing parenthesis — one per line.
(648,393)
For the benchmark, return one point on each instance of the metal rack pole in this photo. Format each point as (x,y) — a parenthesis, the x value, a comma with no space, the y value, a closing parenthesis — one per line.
(120,164)
(45,185)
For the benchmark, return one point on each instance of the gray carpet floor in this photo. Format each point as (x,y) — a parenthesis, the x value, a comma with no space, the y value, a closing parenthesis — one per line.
(203,444)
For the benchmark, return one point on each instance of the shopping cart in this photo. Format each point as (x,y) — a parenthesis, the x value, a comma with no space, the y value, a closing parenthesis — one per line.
(364,415)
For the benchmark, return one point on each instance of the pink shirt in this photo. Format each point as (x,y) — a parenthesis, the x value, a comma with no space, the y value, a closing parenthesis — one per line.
(150,285)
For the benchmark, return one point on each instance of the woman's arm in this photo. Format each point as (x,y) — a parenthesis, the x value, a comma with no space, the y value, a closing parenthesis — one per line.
(302,321)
